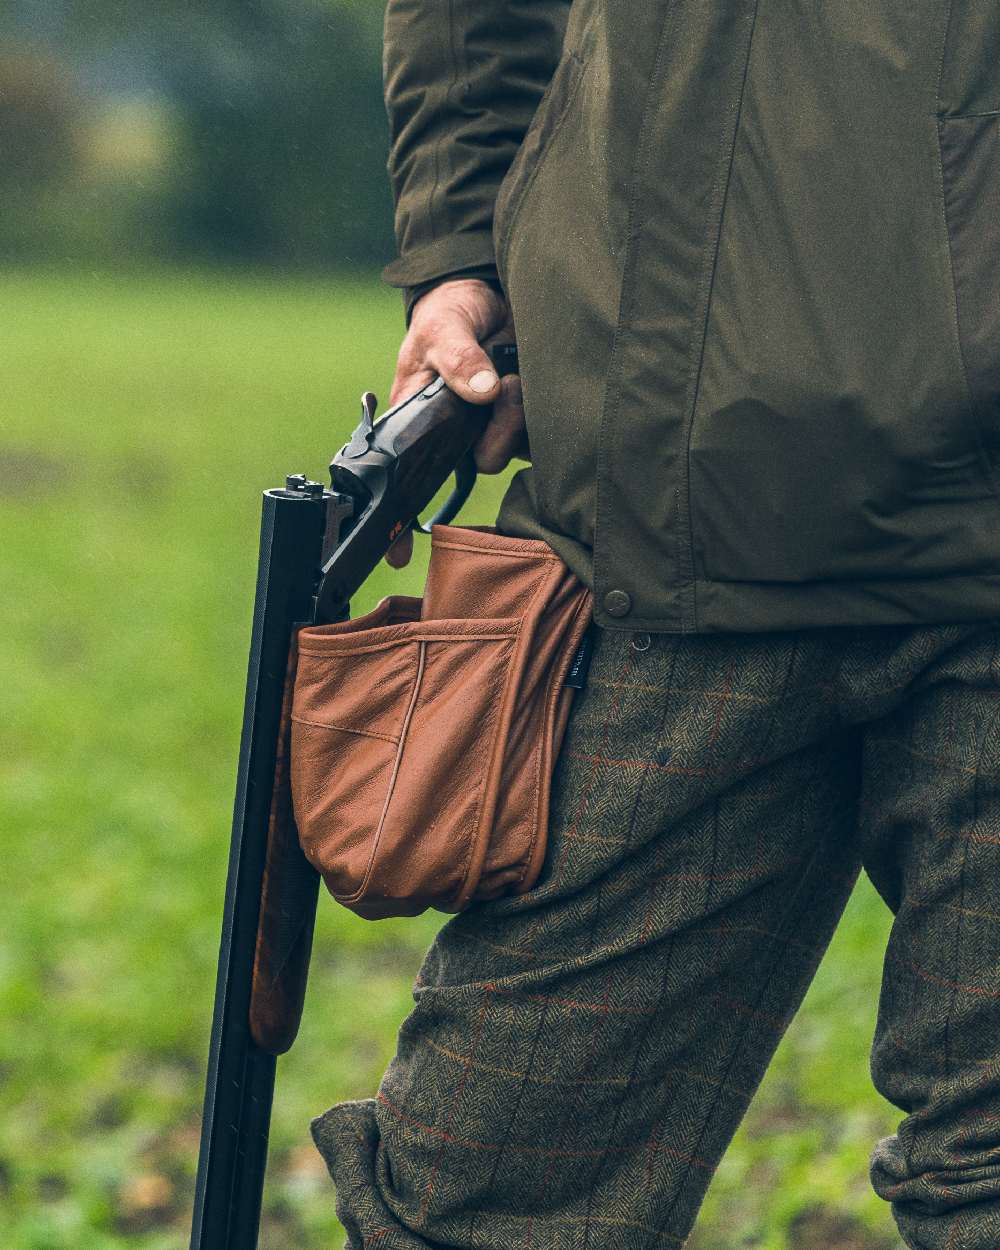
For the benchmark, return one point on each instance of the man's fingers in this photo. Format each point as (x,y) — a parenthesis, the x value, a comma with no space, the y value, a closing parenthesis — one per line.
(463,364)
(448,324)
(401,551)
(505,435)
(408,383)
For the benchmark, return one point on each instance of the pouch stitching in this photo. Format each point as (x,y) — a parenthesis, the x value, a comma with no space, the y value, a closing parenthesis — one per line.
(537,770)
(539,754)
(470,842)
(364,733)
(506,716)
(507,695)
(525,553)
(418,680)
(424,636)
(389,613)
(503,716)
(555,690)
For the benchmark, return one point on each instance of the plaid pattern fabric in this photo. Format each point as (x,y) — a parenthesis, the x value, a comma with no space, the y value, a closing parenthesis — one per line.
(578,1058)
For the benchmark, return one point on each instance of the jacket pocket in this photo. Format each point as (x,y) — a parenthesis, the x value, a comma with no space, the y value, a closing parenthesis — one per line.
(545,125)
(970,162)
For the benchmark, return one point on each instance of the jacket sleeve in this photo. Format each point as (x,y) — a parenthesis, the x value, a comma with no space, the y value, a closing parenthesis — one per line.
(462,80)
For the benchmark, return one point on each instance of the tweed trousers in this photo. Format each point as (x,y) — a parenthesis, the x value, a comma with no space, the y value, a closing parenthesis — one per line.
(579,1057)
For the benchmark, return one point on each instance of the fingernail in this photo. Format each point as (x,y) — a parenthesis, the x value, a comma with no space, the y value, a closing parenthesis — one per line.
(483,381)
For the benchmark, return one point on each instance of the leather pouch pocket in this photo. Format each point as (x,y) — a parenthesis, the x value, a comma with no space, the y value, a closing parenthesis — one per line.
(424,734)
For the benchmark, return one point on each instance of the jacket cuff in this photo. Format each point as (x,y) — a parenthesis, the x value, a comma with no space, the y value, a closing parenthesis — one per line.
(451,254)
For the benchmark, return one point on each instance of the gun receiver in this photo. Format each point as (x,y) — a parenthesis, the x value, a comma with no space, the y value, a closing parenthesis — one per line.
(390,470)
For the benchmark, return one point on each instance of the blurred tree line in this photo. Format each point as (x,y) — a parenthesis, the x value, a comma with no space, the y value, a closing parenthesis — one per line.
(245,130)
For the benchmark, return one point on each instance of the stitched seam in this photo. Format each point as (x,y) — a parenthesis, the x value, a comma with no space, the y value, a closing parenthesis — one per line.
(504,1144)
(699,333)
(455,1099)
(608,1150)
(363,733)
(542,585)
(524,553)
(964,117)
(392,781)
(500,635)
(537,779)
(961,921)
(471,840)
(435,186)
(949,13)
(607,441)
(957,340)
(664,982)
(514,208)
(740,1042)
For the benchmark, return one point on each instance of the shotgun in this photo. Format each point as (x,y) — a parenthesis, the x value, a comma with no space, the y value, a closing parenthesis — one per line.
(317,547)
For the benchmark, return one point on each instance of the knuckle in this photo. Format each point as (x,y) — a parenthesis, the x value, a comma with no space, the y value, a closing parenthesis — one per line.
(461,355)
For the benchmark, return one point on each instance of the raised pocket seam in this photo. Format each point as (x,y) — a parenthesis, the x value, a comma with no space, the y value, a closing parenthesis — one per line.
(445,544)
(364,733)
(414,695)
(958,338)
(518,200)
(420,639)
(506,707)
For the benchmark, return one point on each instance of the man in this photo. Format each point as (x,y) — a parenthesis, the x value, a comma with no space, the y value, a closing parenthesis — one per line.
(751,253)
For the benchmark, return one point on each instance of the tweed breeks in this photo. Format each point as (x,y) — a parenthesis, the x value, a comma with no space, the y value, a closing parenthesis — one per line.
(579,1057)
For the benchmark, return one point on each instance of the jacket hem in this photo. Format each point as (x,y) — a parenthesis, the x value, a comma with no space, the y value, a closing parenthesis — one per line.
(755,607)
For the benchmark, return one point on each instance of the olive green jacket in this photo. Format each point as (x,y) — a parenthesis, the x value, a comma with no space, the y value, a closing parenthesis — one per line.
(753,256)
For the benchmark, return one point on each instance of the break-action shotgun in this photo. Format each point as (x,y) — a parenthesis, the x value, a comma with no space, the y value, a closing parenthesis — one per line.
(317,547)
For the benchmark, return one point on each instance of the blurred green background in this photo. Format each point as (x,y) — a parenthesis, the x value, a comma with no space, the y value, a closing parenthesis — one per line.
(193,210)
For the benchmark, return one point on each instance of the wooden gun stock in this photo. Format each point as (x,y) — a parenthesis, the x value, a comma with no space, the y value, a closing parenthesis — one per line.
(287,910)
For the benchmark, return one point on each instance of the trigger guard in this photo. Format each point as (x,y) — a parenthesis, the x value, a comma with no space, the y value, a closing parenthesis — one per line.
(465,480)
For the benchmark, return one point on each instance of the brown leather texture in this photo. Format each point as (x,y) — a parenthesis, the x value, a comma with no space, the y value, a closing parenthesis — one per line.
(424,734)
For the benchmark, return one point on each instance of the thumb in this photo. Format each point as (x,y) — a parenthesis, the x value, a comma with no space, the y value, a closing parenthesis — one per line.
(464,365)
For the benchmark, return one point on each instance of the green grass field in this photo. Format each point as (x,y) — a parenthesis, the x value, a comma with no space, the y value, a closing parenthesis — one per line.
(142,416)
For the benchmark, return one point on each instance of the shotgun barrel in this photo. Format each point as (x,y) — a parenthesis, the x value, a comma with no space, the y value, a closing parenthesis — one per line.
(317,547)
(240,1080)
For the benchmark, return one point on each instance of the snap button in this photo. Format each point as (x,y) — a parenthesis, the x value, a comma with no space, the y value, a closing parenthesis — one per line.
(641,642)
(617,603)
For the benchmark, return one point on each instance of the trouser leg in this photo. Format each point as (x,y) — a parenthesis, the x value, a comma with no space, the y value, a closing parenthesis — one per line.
(579,1057)
(931,825)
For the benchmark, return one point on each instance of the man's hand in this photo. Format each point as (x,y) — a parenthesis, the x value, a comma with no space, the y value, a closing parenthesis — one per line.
(449,328)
